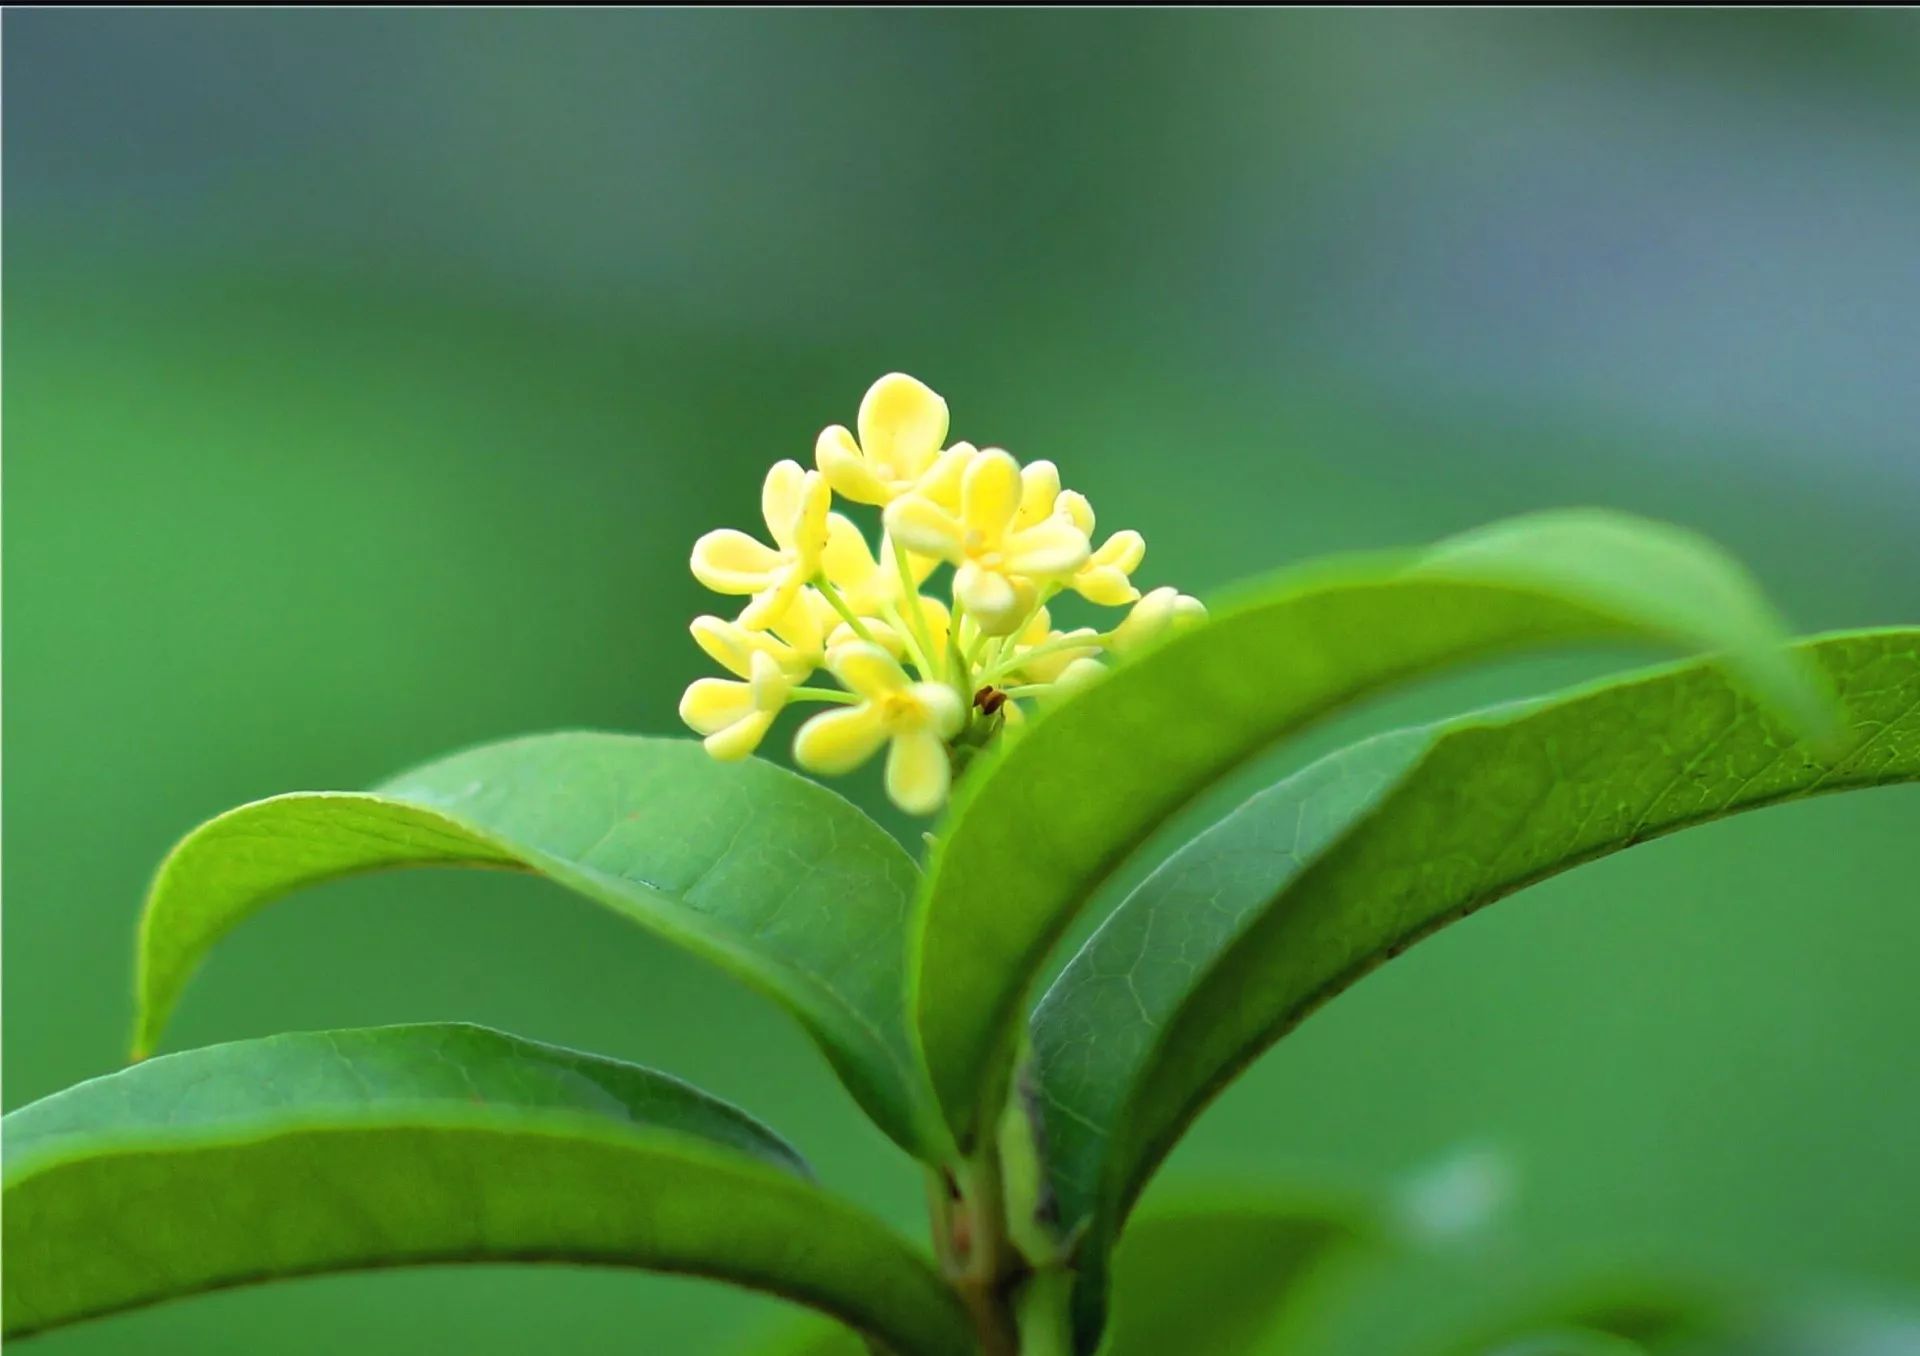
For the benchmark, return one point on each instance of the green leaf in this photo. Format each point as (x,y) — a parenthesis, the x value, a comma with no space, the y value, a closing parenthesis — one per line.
(1095,1031)
(1316,881)
(777,879)
(374,1071)
(1659,1318)
(344,1150)
(1037,828)
(1223,1278)
(1568,1342)
(807,1337)
(1614,1315)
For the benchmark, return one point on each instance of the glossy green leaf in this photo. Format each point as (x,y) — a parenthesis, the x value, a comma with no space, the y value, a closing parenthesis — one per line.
(1319,879)
(1568,1342)
(1617,1317)
(1095,1030)
(777,879)
(346,1150)
(373,1071)
(1035,830)
(807,1337)
(1659,1318)
(1223,1278)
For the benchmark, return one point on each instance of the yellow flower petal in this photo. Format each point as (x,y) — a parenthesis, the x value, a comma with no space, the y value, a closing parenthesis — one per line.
(990,493)
(725,643)
(924,527)
(849,473)
(902,425)
(1105,586)
(933,615)
(803,629)
(918,566)
(769,606)
(782,496)
(810,527)
(848,563)
(1048,667)
(729,561)
(739,739)
(840,740)
(867,670)
(940,708)
(1123,551)
(882,632)
(1082,672)
(1054,547)
(1073,506)
(710,705)
(941,483)
(989,597)
(918,772)
(1159,614)
(1103,579)
(769,683)
(1039,488)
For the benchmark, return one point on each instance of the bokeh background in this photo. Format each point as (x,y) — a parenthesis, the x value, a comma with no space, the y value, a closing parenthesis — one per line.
(370,374)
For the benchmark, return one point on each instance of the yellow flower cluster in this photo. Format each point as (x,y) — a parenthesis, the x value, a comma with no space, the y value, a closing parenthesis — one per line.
(929,681)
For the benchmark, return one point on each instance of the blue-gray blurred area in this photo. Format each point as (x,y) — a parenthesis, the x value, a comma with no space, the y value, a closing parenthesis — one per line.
(371,372)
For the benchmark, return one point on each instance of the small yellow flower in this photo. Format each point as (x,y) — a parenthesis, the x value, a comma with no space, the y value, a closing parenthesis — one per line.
(903,426)
(797,641)
(914,719)
(734,716)
(794,502)
(1158,615)
(997,563)
(1104,578)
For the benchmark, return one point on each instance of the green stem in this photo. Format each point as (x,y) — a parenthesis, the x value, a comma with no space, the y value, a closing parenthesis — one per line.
(961,674)
(821,694)
(832,595)
(910,604)
(991,658)
(1016,661)
(972,658)
(984,1263)
(915,651)
(940,1200)
(1044,1315)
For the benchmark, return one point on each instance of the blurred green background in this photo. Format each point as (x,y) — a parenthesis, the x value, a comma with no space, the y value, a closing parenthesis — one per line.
(371,373)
